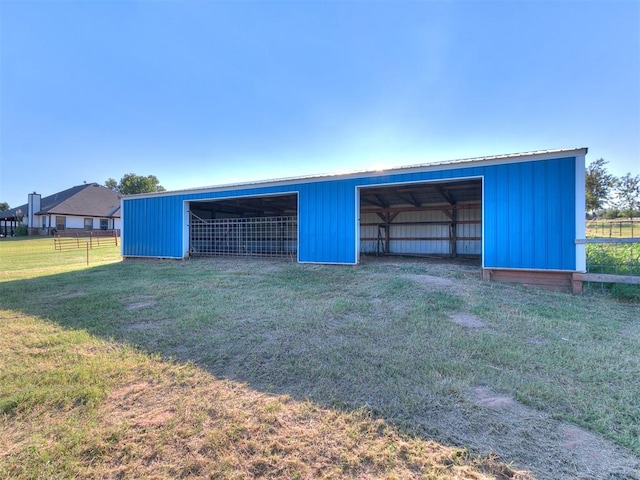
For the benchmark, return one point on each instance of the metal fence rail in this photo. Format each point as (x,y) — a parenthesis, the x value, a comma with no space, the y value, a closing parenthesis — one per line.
(255,236)
(613,228)
(75,240)
(612,260)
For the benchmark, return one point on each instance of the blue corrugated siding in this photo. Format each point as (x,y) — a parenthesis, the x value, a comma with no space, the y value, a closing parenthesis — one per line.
(528,215)
(527,203)
(326,222)
(152,228)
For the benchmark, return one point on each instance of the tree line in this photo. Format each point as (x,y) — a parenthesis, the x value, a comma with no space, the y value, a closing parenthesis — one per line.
(130,184)
(608,196)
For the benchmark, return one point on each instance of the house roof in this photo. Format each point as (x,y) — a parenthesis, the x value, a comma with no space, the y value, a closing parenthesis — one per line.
(12,212)
(90,200)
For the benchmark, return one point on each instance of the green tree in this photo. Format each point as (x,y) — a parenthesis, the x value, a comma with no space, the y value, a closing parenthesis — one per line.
(599,183)
(111,184)
(4,206)
(628,194)
(132,183)
(19,214)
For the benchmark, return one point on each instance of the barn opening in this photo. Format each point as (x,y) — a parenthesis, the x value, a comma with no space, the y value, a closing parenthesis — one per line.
(442,219)
(244,226)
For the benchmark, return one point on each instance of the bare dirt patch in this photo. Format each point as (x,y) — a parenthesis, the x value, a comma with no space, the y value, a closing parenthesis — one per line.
(583,444)
(139,305)
(140,301)
(431,280)
(467,320)
(547,447)
(487,398)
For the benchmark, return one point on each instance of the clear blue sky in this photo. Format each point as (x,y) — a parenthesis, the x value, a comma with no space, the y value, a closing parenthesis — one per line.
(202,93)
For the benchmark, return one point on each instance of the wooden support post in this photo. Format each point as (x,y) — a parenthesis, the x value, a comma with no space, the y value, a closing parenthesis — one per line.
(380,239)
(576,285)
(391,216)
(387,238)
(387,218)
(454,232)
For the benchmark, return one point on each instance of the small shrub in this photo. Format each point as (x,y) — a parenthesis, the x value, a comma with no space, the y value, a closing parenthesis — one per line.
(617,259)
(630,293)
(21,231)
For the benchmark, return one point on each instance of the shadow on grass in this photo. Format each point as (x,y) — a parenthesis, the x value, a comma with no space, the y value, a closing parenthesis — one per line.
(382,341)
(325,334)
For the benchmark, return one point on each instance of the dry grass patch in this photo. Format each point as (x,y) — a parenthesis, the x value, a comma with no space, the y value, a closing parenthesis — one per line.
(142,417)
(340,345)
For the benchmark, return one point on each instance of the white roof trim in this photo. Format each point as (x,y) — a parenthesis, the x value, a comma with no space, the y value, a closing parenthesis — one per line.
(424,167)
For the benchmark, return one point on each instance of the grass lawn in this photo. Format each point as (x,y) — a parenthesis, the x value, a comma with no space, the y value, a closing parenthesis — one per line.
(30,257)
(254,368)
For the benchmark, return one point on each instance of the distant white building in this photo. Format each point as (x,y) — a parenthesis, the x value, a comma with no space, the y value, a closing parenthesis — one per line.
(83,207)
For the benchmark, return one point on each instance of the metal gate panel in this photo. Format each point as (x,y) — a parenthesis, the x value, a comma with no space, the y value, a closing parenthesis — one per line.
(256,236)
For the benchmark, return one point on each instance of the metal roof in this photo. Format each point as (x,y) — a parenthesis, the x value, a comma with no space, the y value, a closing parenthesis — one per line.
(505,158)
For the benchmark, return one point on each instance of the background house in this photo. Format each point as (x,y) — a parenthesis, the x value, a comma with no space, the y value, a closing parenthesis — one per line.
(83,207)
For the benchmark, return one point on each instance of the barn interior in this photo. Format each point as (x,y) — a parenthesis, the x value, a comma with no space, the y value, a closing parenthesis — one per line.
(442,219)
(246,207)
(430,219)
(244,226)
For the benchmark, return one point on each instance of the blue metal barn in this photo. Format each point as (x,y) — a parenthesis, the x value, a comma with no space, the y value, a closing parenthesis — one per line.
(520,213)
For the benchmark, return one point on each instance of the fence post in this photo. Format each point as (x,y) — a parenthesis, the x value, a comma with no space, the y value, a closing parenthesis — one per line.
(88,251)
